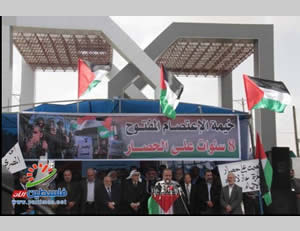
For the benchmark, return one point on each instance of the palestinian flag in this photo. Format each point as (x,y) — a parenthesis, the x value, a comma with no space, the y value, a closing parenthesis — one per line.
(160,204)
(265,172)
(89,125)
(104,130)
(262,93)
(171,90)
(89,75)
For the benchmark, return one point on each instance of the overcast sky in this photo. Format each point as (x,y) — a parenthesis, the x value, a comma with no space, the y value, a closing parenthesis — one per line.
(144,29)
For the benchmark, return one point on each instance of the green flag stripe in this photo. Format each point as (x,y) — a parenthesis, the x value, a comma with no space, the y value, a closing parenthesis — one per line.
(153,207)
(270,104)
(268,172)
(92,85)
(104,132)
(167,109)
(267,198)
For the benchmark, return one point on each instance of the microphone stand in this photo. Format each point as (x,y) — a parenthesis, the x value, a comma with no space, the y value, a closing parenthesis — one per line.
(184,204)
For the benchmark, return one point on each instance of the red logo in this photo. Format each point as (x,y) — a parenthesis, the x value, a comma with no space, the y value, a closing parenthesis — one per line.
(19,194)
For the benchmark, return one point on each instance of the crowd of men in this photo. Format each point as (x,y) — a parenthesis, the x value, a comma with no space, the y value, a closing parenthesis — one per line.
(113,194)
(46,137)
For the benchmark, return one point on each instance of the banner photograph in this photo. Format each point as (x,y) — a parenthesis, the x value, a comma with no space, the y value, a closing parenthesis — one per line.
(77,136)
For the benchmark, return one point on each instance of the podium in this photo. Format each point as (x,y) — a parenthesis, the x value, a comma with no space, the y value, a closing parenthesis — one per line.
(164,197)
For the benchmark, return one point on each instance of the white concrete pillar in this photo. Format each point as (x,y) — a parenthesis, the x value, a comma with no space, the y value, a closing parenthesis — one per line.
(226,91)
(7,62)
(27,86)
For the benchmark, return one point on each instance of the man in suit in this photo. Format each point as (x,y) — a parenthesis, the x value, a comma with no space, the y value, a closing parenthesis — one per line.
(231,197)
(189,190)
(179,175)
(21,185)
(72,197)
(89,194)
(134,194)
(208,196)
(195,174)
(110,197)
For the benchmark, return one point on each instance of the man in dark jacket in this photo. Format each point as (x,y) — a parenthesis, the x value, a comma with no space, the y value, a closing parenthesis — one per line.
(189,190)
(89,196)
(134,194)
(208,196)
(110,197)
(21,185)
(73,196)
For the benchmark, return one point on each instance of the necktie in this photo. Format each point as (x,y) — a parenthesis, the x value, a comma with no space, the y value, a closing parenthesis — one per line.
(109,192)
(188,193)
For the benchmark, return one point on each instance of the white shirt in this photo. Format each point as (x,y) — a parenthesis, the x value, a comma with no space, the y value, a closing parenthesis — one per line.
(230,187)
(188,191)
(209,187)
(90,191)
(108,190)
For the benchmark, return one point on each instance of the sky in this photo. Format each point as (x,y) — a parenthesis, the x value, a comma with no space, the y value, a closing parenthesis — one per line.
(143,30)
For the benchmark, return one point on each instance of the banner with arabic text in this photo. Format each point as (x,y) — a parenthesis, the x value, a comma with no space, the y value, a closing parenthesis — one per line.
(153,137)
(246,174)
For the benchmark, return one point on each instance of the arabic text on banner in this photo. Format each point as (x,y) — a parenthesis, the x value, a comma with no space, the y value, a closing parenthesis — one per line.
(13,160)
(246,172)
(191,137)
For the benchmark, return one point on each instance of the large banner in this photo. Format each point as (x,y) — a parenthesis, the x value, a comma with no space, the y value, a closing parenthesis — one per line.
(154,137)
(246,174)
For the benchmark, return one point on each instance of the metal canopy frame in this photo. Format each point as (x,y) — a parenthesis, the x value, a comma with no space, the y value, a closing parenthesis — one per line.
(208,57)
(60,50)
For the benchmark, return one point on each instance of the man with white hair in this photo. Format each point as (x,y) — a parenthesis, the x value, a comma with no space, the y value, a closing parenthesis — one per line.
(90,194)
(110,197)
(134,194)
(231,196)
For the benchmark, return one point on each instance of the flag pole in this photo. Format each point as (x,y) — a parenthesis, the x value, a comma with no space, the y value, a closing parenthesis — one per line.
(251,134)
(261,207)
(296,133)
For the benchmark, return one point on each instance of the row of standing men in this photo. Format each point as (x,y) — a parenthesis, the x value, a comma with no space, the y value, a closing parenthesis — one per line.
(129,197)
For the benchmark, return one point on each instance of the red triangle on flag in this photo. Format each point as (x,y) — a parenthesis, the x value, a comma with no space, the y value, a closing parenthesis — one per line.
(107,123)
(260,153)
(253,93)
(85,77)
(165,201)
(163,78)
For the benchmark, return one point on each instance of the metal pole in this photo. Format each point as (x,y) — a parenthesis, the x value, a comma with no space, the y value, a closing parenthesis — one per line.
(261,207)
(296,133)
(251,135)
(243,104)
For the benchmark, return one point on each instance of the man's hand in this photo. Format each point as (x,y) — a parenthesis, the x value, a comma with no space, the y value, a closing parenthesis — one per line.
(132,205)
(228,209)
(135,206)
(111,205)
(210,204)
